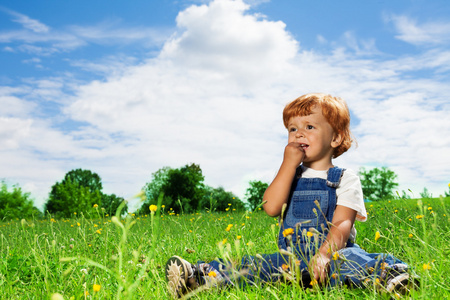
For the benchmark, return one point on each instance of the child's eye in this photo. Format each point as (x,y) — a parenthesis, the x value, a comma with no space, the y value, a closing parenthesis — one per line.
(292,129)
(309,127)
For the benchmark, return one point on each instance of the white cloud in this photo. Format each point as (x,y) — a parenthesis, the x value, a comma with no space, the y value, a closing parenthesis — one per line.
(29,23)
(426,34)
(214,96)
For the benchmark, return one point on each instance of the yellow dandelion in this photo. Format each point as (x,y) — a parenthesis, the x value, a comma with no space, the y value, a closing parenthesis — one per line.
(190,230)
(74,213)
(377,236)
(227,209)
(97,287)
(426,267)
(285,267)
(78,224)
(229,204)
(418,217)
(334,275)
(239,237)
(309,234)
(410,219)
(212,274)
(224,241)
(335,256)
(313,282)
(396,211)
(153,207)
(95,205)
(410,235)
(430,208)
(288,231)
(98,231)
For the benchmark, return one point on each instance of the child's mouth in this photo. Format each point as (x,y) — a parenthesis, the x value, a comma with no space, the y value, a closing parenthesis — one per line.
(304,146)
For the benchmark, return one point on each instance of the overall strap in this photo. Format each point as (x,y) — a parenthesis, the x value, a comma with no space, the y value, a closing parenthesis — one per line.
(334,177)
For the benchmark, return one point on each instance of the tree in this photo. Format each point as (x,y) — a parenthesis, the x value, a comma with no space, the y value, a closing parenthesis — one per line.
(255,192)
(217,199)
(378,183)
(183,188)
(76,193)
(111,202)
(16,204)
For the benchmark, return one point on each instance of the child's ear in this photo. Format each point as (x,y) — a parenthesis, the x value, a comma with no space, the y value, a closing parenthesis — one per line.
(337,140)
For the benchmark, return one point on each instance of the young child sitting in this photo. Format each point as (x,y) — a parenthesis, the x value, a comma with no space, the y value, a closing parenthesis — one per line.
(307,193)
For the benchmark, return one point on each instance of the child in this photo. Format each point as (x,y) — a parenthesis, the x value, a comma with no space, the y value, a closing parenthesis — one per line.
(307,193)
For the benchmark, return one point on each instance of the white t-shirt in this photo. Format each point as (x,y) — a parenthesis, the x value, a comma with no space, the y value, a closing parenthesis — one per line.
(348,193)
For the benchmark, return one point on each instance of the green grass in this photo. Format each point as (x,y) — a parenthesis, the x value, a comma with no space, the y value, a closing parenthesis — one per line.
(39,258)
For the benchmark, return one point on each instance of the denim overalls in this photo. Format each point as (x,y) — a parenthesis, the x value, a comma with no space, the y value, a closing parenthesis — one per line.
(311,205)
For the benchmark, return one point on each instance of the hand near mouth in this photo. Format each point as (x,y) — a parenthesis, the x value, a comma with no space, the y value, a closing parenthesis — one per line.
(294,153)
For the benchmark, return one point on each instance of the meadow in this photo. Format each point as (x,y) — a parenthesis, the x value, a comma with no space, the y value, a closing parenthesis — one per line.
(105,257)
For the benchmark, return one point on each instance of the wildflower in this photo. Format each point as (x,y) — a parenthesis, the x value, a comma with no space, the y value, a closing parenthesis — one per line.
(410,235)
(288,231)
(52,220)
(396,211)
(74,213)
(418,217)
(309,234)
(95,205)
(78,224)
(224,241)
(410,219)
(229,204)
(212,274)
(153,208)
(426,267)
(239,237)
(334,275)
(85,271)
(98,231)
(335,256)
(430,208)
(97,287)
(190,231)
(285,267)
(313,282)
(229,227)
(227,209)
(377,236)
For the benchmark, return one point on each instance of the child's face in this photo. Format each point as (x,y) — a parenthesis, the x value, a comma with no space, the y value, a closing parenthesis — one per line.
(316,137)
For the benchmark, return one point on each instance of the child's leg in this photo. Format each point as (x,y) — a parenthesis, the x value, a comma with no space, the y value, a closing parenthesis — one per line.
(357,267)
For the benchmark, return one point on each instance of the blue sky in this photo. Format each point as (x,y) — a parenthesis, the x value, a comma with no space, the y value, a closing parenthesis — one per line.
(126,88)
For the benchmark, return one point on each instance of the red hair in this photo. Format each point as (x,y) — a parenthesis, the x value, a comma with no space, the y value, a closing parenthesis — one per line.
(334,109)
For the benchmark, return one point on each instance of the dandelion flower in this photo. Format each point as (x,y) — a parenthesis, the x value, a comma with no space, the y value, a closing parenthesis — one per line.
(153,208)
(239,237)
(212,274)
(97,287)
(377,236)
(418,217)
(98,231)
(410,235)
(78,224)
(309,234)
(95,205)
(430,208)
(426,267)
(335,256)
(288,231)
(313,282)
(285,267)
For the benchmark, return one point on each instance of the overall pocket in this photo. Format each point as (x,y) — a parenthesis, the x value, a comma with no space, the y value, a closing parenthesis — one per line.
(304,210)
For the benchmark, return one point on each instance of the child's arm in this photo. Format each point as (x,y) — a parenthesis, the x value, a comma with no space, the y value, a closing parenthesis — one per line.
(343,220)
(278,191)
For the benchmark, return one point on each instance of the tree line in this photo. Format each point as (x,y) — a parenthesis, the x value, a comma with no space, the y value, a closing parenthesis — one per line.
(182,190)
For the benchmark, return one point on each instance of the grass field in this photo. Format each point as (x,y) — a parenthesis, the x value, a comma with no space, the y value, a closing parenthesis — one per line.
(108,258)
